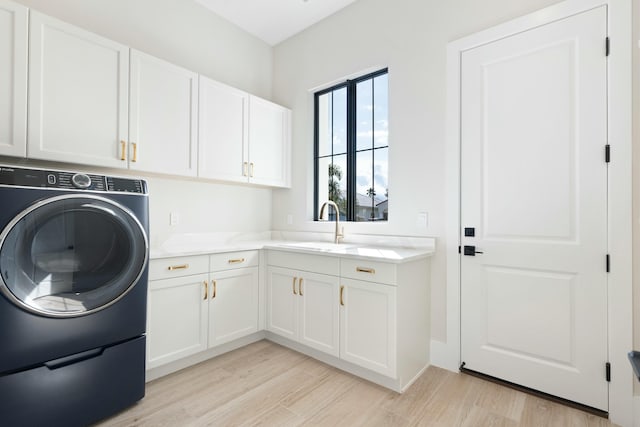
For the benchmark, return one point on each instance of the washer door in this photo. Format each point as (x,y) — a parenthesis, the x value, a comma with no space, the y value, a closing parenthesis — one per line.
(71,255)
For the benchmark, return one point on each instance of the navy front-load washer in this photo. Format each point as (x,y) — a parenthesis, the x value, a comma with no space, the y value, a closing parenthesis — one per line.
(73,296)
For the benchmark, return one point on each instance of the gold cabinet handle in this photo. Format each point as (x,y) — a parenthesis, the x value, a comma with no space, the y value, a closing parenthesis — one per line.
(178,267)
(206,290)
(134,145)
(341,295)
(294,286)
(236,261)
(300,287)
(245,165)
(123,150)
(251,173)
(366,270)
(215,289)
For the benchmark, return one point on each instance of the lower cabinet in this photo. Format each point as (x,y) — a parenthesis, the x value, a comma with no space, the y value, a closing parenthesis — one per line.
(301,307)
(368,325)
(200,302)
(376,315)
(234,305)
(365,314)
(177,318)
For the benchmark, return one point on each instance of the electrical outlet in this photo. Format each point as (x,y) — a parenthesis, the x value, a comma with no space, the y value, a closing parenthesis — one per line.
(422,220)
(174,218)
(289,219)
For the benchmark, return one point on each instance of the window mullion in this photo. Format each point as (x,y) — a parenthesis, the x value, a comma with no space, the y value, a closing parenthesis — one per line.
(316,154)
(351,150)
(373,144)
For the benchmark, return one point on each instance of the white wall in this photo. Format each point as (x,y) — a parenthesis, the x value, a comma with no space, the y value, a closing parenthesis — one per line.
(636,181)
(187,34)
(410,37)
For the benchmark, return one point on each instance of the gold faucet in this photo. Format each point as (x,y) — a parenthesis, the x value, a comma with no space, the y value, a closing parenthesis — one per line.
(339,235)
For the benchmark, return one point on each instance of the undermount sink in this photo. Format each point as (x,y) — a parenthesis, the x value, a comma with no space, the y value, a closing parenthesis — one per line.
(321,246)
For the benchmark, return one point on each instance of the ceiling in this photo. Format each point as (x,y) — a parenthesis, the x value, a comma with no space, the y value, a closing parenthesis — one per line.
(274,20)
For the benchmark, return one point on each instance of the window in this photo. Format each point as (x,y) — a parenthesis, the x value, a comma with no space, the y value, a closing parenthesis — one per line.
(352,148)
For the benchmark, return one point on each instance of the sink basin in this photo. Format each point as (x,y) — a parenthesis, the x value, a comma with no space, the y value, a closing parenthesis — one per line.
(320,246)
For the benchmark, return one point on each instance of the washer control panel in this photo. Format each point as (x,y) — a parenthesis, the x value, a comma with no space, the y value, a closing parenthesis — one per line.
(69,180)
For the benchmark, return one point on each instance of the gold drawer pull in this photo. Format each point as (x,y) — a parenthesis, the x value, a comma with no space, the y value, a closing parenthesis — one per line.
(206,290)
(135,151)
(236,261)
(178,267)
(341,295)
(366,270)
(245,172)
(215,289)
(294,286)
(123,150)
(251,173)
(300,287)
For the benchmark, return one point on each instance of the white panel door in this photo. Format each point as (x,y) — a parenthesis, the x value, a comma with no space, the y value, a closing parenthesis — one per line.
(269,145)
(13,78)
(368,325)
(534,191)
(163,117)
(222,132)
(176,319)
(78,95)
(319,312)
(233,309)
(282,300)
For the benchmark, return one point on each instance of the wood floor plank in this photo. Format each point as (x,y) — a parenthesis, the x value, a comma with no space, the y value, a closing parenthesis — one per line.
(352,408)
(264,384)
(316,396)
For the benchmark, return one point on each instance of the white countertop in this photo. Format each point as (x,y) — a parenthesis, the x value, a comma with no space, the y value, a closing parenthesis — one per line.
(393,254)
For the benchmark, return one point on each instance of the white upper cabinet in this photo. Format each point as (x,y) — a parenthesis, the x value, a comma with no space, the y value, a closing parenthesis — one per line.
(78,95)
(96,102)
(269,143)
(223,132)
(163,114)
(242,138)
(13,79)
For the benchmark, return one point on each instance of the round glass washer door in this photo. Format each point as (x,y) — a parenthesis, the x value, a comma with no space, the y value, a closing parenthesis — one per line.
(71,255)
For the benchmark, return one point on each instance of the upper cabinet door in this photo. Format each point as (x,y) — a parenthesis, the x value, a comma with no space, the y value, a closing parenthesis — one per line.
(163,117)
(269,143)
(223,133)
(13,79)
(78,92)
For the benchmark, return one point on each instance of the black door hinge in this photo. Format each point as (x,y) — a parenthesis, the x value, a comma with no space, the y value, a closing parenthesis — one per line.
(607,153)
(608,371)
(608,263)
(607,46)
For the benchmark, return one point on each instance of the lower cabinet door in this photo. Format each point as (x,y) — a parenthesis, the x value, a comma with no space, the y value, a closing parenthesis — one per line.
(233,311)
(368,325)
(177,317)
(282,299)
(319,312)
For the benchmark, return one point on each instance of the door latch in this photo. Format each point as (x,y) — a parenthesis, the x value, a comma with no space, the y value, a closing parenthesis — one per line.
(471,251)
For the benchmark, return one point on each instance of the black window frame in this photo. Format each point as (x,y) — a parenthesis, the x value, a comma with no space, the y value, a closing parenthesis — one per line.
(351,142)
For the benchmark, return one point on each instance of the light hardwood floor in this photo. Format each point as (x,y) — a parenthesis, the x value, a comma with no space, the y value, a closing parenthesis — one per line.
(264,384)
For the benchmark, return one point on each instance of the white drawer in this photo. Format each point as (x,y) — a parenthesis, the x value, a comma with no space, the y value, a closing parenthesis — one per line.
(230,260)
(370,271)
(297,261)
(167,268)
